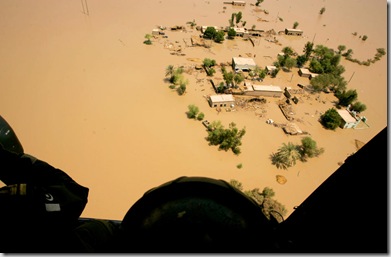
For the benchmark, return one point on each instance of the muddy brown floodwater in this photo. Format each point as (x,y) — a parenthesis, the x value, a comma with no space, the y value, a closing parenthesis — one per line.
(83,92)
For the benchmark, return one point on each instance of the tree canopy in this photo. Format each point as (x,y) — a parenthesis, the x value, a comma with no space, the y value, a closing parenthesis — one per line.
(210,33)
(288,154)
(346,97)
(192,112)
(226,139)
(231,33)
(331,119)
(309,149)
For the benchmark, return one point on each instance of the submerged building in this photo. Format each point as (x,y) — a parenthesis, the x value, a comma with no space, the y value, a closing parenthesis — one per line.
(243,64)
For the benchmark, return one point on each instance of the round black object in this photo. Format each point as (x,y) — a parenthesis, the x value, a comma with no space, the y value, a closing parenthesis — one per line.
(195,215)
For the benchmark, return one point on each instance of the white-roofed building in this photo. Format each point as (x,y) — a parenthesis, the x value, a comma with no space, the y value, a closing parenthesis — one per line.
(348,121)
(294,32)
(243,64)
(238,3)
(224,100)
(304,72)
(262,90)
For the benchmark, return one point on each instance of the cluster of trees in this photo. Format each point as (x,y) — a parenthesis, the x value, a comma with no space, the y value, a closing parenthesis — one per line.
(213,34)
(325,62)
(231,79)
(286,60)
(208,66)
(235,19)
(194,112)
(288,154)
(225,138)
(258,73)
(218,35)
(348,98)
(270,207)
(331,119)
(231,33)
(380,52)
(176,78)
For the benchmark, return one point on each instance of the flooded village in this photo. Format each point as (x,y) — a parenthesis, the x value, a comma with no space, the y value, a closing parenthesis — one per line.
(90,93)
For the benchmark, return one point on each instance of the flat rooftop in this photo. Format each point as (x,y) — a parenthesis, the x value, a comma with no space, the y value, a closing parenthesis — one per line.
(346,116)
(244,61)
(222,98)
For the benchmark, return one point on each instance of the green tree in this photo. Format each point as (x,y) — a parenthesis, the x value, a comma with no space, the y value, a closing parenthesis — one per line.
(315,66)
(331,119)
(301,60)
(346,97)
(358,107)
(210,33)
(232,21)
(290,63)
(295,24)
(238,17)
(228,78)
(181,89)
(231,33)
(192,112)
(341,48)
(200,116)
(308,48)
(322,52)
(210,71)
(381,51)
(238,78)
(219,37)
(148,39)
(288,51)
(208,62)
(226,139)
(348,54)
(262,74)
(221,88)
(321,82)
(177,77)
(286,156)
(325,81)
(309,149)
(281,60)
